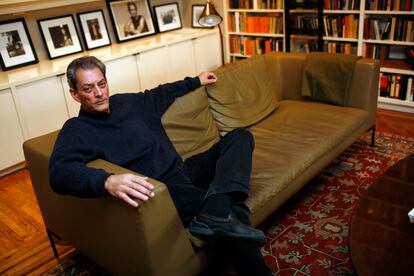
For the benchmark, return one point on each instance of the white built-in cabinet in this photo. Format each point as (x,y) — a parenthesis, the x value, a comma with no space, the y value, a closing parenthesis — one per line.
(41,105)
(38,100)
(11,136)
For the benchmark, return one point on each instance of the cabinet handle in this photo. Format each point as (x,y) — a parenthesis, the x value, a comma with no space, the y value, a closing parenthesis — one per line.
(136,54)
(61,74)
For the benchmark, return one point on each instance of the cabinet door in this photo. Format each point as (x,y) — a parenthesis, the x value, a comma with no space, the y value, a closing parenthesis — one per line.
(153,67)
(42,107)
(181,60)
(72,105)
(11,136)
(207,52)
(122,75)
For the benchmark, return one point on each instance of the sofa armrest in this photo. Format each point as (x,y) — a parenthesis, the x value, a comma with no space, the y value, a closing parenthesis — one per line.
(149,240)
(363,91)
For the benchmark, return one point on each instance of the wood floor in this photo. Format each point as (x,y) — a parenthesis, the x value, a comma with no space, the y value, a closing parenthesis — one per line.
(24,246)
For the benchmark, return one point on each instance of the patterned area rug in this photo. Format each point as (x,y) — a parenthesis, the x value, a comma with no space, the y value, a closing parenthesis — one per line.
(308,235)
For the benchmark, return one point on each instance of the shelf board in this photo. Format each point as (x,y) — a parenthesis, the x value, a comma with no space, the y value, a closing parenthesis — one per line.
(303,11)
(239,55)
(341,39)
(22,6)
(391,42)
(395,101)
(297,36)
(390,12)
(396,71)
(340,12)
(256,11)
(256,34)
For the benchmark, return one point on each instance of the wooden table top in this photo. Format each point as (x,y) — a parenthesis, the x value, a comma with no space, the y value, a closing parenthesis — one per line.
(381,235)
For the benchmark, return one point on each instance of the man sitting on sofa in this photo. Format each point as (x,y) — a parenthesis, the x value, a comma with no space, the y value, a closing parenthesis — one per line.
(207,189)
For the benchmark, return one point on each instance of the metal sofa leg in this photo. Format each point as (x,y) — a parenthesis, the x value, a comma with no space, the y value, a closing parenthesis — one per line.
(52,242)
(373,136)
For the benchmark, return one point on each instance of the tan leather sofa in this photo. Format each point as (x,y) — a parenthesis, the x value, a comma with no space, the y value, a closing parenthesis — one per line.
(294,140)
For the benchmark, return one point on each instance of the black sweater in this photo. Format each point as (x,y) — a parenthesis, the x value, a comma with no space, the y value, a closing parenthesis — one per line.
(131,136)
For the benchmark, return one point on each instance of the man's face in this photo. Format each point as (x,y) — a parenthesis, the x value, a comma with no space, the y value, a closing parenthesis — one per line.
(92,91)
(132,10)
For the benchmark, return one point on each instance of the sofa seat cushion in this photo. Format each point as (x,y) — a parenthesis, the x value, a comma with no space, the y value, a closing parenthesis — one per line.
(190,125)
(244,94)
(291,139)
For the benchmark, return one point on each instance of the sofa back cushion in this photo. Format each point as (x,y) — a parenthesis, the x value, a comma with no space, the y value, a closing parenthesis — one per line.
(244,94)
(190,124)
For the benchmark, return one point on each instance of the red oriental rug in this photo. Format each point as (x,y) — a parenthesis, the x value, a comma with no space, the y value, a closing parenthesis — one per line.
(308,235)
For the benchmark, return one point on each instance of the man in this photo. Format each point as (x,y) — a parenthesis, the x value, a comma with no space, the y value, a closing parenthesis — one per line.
(136,23)
(208,189)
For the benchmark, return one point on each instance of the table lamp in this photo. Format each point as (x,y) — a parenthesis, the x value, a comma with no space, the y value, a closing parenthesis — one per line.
(211,18)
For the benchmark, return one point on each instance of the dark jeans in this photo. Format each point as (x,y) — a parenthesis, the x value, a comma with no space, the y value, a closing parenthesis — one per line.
(224,168)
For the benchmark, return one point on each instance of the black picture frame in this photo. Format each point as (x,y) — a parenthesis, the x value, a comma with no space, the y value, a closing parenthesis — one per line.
(94,29)
(125,27)
(16,47)
(196,11)
(60,36)
(168,17)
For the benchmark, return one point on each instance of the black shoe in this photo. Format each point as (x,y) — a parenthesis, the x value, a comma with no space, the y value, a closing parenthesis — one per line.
(226,230)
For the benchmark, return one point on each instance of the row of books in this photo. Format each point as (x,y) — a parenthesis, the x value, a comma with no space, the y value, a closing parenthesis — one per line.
(241,4)
(341,26)
(391,28)
(390,5)
(372,51)
(307,4)
(340,48)
(268,23)
(254,45)
(341,5)
(270,4)
(304,24)
(396,86)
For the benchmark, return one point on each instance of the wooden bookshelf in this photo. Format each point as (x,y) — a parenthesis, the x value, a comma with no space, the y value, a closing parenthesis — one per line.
(357,13)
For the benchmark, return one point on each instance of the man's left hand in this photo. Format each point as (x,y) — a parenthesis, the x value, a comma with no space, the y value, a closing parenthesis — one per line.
(207,78)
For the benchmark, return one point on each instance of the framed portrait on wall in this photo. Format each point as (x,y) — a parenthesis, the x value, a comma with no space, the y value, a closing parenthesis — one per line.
(195,16)
(131,19)
(94,30)
(60,36)
(168,17)
(16,47)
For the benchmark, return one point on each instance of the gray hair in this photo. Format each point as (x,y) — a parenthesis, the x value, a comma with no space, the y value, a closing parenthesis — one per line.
(85,63)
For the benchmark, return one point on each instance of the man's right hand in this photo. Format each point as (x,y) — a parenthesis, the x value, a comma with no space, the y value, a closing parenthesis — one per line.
(129,187)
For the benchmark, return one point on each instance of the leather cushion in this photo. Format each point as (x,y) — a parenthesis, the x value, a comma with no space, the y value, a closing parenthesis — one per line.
(291,139)
(244,94)
(190,125)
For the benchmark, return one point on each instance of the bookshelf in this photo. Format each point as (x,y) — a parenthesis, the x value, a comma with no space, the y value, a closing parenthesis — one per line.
(387,32)
(253,27)
(303,18)
(378,29)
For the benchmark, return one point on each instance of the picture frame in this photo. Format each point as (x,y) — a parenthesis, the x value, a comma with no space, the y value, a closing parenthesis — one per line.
(94,29)
(195,16)
(131,19)
(16,47)
(60,36)
(168,17)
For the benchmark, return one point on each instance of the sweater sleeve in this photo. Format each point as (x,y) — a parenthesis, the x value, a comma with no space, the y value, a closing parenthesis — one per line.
(68,173)
(158,99)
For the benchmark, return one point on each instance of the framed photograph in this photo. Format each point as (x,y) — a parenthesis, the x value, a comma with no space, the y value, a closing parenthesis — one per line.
(16,47)
(195,16)
(60,36)
(94,30)
(131,19)
(168,17)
